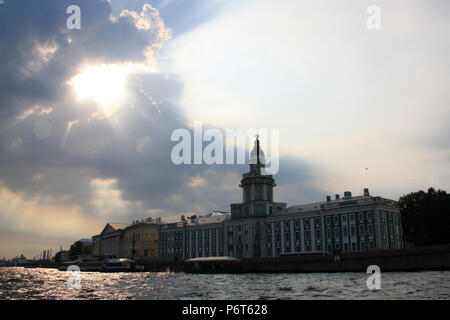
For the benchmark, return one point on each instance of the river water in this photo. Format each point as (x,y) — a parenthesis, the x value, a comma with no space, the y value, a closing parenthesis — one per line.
(40,283)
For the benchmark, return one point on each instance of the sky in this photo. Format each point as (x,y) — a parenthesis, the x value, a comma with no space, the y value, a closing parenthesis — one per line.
(86,115)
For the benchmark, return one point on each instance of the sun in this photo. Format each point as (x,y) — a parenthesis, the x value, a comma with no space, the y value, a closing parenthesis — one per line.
(105,84)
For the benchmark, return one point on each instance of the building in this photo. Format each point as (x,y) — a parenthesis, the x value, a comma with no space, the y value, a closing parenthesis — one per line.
(86,247)
(260,227)
(140,240)
(137,241)
(194,237)
(108,242)
(19,260)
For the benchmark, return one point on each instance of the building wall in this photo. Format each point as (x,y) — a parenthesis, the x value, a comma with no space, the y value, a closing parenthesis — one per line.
(96,249)
(353,229)
(110,245)
(140,242)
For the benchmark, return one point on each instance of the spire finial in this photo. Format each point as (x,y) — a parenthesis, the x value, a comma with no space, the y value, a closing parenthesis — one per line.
(257,149)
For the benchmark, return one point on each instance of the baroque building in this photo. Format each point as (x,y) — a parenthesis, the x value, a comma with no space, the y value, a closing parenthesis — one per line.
(260,227)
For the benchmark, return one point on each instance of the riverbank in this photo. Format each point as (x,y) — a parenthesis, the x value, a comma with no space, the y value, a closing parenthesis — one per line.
(412,259)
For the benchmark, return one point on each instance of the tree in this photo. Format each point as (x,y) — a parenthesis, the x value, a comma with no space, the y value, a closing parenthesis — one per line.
(426,217)
(75,250)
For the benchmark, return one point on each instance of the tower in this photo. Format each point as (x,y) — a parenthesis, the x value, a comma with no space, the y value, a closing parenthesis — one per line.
(257,188)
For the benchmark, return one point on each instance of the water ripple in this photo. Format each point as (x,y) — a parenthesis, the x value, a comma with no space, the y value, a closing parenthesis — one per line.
(28,283)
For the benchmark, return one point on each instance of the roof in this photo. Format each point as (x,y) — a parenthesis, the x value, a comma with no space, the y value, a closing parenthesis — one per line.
(118,226)
(212,218)
(113,227)
(317,206)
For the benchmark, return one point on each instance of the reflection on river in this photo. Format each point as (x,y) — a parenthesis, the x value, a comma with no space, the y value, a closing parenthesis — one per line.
(39,283)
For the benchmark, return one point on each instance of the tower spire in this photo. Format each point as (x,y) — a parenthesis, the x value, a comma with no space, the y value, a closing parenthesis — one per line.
(258,162)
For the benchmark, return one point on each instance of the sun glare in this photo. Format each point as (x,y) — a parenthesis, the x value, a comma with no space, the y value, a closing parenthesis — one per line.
(105,84)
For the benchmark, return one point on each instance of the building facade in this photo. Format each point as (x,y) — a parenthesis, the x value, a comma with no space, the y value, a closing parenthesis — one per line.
(137,241)
(140,240)
(260,227)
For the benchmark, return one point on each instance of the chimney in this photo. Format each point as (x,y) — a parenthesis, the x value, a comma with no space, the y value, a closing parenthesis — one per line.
(337,196)
(328,198)
(366,192)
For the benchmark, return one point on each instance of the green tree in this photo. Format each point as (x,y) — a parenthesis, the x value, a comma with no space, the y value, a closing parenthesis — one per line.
(426,217)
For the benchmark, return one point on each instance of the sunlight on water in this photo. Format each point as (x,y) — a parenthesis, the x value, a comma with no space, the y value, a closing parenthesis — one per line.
(28,283)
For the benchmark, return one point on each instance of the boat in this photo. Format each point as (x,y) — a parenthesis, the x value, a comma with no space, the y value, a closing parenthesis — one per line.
(121,264)
(84,265)
(108,265)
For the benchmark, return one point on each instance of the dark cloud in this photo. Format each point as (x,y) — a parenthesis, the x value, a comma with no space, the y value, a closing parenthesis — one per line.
(41,157)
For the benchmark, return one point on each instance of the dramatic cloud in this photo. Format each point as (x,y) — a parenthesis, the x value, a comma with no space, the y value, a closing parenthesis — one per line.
(85,120)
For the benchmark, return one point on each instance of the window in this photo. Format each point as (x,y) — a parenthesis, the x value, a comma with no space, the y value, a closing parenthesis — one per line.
(352,231)
(259,191)
(353,246)
(363,245)
(278,237)
(268,238)
(328,233)
(318,247)
(239,228)
(361,230)
(286,225)
(329,248)
(328,220)
(307,234)
(371,245)
(352,217)
(370,229)
(346,247)
(297,223)
(345,231)
(318,234)
(286,237)
(336,232)
(297,248)
(317,221)
(297,236)
(307,222)
(369,215)
(308,248)
(344,218)
(336,219)
(361,216)
(337,246)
